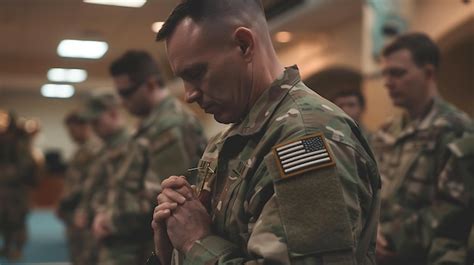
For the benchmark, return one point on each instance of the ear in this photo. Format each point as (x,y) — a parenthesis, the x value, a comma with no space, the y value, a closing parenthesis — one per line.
(429,71)
(244,38)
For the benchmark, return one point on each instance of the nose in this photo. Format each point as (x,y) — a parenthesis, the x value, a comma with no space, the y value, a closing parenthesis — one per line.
(191,93)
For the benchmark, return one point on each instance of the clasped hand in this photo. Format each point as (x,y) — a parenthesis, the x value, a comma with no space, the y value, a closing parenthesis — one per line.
(180,214)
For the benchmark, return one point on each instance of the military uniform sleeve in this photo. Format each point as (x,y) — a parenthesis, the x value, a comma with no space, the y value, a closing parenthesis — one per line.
(172,152)
(131,202)
(306,218)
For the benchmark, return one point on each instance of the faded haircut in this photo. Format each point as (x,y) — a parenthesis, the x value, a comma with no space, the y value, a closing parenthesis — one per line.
(201,10)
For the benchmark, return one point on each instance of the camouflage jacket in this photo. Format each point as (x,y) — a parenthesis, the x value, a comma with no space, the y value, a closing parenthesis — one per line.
(122,186)
(175,139)
(16,160)
(316,210)
(423,214)
(76,175)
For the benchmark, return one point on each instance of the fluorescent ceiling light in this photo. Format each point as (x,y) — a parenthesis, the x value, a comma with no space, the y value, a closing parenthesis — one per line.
(126,3)
(283,36)
(67,75)
(157,26)
(57,91)
(82,49)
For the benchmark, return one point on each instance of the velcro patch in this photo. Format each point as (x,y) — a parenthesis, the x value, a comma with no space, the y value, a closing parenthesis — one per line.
(302,155)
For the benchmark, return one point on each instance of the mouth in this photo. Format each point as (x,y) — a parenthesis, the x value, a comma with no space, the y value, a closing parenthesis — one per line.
(209,108)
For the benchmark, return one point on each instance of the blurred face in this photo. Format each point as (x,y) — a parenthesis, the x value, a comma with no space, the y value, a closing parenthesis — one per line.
(215,74)
(134,96)
(106,124)
(406,82)
(79,132)
(350,105)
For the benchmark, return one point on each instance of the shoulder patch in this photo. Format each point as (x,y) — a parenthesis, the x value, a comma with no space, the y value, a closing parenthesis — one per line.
(301,155)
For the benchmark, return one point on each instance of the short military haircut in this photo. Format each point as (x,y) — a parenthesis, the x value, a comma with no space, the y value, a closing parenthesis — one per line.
(138,65)
(351,93)
(423,50)
(199,10)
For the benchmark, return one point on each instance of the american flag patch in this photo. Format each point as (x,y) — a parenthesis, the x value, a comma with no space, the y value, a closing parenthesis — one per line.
(305,154)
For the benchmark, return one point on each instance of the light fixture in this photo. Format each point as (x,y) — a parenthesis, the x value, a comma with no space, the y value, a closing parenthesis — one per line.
(82,49)
(57,91)
(67,75)
(125,3)
(283,36)
(157,26)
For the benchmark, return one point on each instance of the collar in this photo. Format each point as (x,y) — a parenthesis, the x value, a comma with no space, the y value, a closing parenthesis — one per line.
(157,111)
(260,113)
(117,138)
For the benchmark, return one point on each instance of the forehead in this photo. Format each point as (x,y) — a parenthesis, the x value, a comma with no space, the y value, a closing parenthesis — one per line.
(400,58)
(122,80)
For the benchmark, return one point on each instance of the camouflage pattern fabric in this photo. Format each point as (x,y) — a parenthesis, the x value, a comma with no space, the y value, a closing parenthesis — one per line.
(261,215)
(175,139)
(72,192)
(16,176)
(126,190)
(460,169)
(424,213)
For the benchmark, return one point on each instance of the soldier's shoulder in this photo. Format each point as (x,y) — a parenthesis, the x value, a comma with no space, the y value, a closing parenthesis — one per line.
(310,113)
(463,147)
(453,119)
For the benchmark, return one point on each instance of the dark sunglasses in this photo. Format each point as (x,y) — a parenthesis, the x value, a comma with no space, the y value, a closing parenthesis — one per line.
(127,92)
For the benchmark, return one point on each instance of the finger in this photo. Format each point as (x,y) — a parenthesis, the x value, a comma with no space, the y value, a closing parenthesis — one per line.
(166,205)
(174,182)
(161,216)
(173,196)
(381,240)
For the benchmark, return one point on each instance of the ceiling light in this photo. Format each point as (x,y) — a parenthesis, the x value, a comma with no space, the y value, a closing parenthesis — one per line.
(67,75)
(283,36)
(82,49)
(125,3)
(157,26)
(57,91)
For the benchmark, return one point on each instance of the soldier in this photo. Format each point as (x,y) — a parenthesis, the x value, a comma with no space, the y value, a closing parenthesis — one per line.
(423,221)
(292,181)
(16,178)
(87,148)
(120,197)
(352,102)
(173,134)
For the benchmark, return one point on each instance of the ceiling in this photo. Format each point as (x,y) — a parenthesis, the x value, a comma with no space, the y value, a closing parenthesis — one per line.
(30,31)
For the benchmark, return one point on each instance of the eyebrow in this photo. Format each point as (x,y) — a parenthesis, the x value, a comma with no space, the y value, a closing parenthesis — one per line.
(189,69)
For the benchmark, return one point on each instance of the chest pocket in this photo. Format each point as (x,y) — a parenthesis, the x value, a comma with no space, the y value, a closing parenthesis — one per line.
(418,187)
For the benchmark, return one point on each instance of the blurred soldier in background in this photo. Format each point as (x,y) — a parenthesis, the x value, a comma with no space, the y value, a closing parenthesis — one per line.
(88,146)
(17,176)
(352,102)
(425,217)
(174,136)
(121,191)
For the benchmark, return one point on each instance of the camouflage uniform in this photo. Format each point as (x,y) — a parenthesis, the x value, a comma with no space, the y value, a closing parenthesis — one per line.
(16,177)
(460,168)
(175,139)
(322,214)
(424,214)
(126,190)
(73,191)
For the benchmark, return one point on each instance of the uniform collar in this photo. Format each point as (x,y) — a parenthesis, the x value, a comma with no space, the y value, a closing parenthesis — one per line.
(117,138)
(403,127)
(266,105)
(147,122)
